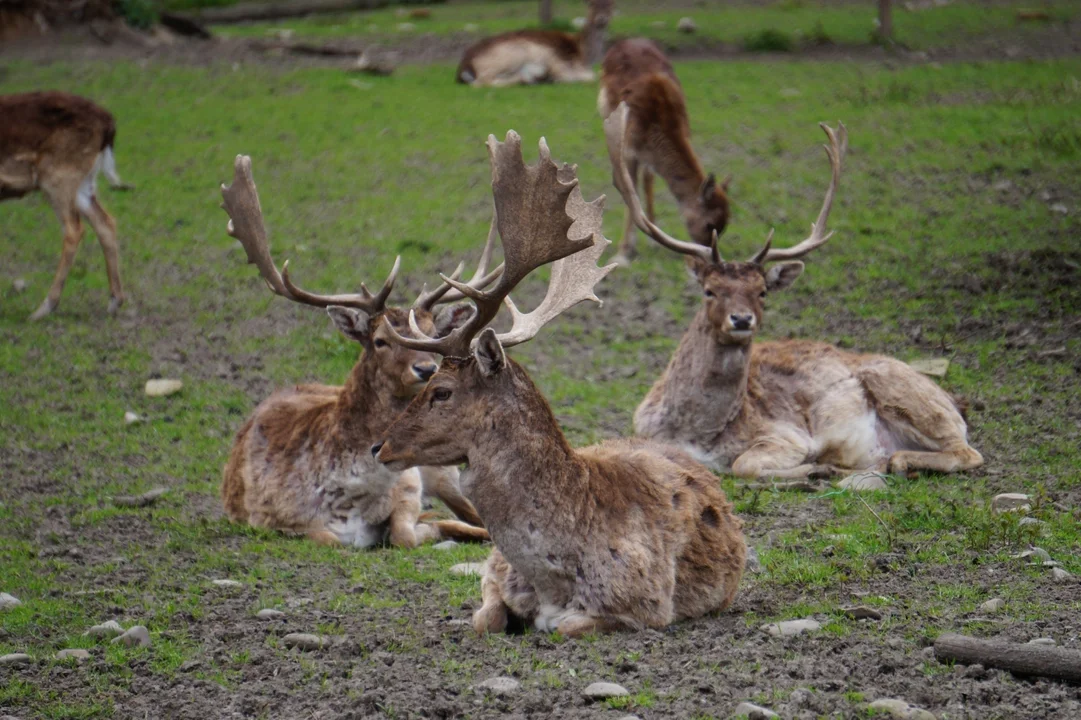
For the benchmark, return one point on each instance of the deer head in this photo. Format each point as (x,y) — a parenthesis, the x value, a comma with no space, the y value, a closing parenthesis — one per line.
(708,215)
(363,317)
(541,218)
(733,291)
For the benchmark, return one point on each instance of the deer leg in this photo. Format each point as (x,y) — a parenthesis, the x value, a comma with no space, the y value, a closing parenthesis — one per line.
(575,624)
(442,482)
(504,592)
(647,188)
(493,613)
(73,235)
(946,461)
(775,460)
(324,537)
(105,228)
(630,232)
(405,502)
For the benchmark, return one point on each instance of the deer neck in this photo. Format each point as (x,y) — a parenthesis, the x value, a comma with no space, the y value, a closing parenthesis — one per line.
(365,409)
(681,170)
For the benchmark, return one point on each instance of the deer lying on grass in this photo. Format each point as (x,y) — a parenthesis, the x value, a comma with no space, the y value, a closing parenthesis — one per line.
(58,143)
(527,57)
(787,409)
(629,533)
(301,464)
(658,138)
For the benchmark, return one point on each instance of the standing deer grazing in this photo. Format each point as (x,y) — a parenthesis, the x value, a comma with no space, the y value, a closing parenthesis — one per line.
(786,409)
(629,533)
(658,139)
(58,143)
(300,464)
(527,57)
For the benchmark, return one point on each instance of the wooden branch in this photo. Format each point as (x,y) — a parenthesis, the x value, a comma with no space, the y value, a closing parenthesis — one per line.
(1020,659)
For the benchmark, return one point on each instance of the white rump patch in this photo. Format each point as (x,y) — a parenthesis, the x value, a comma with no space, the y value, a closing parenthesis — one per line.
(88,188)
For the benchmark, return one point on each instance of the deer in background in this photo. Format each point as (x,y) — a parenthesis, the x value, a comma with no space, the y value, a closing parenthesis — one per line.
(527,57)
(300,464)
(58,143)
(658,140)
(787,409)
(625,534)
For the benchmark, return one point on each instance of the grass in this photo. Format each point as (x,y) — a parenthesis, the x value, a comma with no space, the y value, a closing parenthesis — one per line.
(350,177)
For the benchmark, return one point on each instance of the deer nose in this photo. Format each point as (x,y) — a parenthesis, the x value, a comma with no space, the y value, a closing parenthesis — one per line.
(741,322)
(377,447)
(425,370)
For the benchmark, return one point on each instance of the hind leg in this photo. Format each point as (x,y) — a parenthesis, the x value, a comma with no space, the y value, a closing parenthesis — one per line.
(73,235)
(105,228)
(647,188)
(442,482)
(947,461)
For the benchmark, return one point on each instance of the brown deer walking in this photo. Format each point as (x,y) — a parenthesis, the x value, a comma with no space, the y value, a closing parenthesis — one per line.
(658,140)
(527,57)
(301,464)
(786,409)
(628,533)
(58,143)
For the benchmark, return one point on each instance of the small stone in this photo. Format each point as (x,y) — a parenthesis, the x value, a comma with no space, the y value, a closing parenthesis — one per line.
(753,712)
(1060,575)
(445,545)
(686,25)
(162,388)
(8,601)
(1031,521)
(108,629)
(863,482)
(1002,186)
(130,418)
(578,23)
(15,659)
(901,709)
(604,690)
(18,285)
(928,652)
(467,569)
(1042,641)
(935,367)
(269,614)
(148,498)
(1036,554)
(305,641)
(1059,208)
(993,606)
(73,654)
(862,612)
(788,628)
(227,583)
(1010,502)
(135,636)
(499,686)
(459,622)
(190,665)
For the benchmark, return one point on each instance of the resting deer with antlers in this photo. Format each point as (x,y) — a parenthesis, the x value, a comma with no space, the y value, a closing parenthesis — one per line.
(629,533)
(658,140)
(301,464)
(786,409)
(527,57)
(58,143)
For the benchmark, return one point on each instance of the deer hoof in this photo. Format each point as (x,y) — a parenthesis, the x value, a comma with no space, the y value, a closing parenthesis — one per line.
(46,307)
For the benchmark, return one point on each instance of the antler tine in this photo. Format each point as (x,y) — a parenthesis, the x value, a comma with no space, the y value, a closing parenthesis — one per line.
(615,129)
(835,151)
(241,201)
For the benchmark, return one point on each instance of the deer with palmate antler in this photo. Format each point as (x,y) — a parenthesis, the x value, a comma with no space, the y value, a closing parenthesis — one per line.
(787,409)
(301,464)
(629,533)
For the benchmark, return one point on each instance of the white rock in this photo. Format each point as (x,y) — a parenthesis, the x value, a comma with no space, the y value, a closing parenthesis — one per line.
(227,583)
(269,614)
(1037,554)
(686,25)
(8,601)
(18,285)
(108,629)
(993,605)
(305,641)
(468,569)
(901,709)
(862,482)
(1008,502)
(604,690)
(1060,209)
(130,418)
(1060,575)
(445,545)
(499,686)
(578,22)
(14,659)
(935,367)
(753,712)
(161,388)
(791,627)
(135,636)
(1042,641)
(862,612)
(1002,186)
(73,654)
(148,498)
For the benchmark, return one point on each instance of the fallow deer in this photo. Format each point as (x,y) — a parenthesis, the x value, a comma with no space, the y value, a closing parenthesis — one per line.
(658,139)
(628,533)
(301,464)
(58,143)
(793,408)
(527,57)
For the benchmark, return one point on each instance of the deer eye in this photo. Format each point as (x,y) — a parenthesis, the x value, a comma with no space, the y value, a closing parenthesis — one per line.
(709,293)
(762,294)
(441,394)
(380,343)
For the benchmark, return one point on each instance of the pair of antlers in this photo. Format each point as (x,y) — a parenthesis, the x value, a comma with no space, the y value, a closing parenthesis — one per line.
(615,126)
(540,217)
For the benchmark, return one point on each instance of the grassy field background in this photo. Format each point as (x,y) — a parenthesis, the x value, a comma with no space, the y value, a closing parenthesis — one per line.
(956,235)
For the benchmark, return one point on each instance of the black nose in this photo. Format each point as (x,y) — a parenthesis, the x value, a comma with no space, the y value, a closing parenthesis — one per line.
(741,322)
(425,370)
(377,447)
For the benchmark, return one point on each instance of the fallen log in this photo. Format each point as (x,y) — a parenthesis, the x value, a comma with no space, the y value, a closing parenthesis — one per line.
(1020,659)
(303,48)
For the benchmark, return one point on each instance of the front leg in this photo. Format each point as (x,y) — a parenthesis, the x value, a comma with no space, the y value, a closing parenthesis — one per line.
(775,460)
(405,506)
(504,592)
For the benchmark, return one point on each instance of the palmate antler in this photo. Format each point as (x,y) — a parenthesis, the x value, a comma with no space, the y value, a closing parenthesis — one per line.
(541,217)
(615,130)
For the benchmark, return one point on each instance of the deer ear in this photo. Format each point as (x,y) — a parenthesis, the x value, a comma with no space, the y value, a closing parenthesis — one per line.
(352,323)
(783,274)
(697,267)
(489,353)
(708,188)
(451,317)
